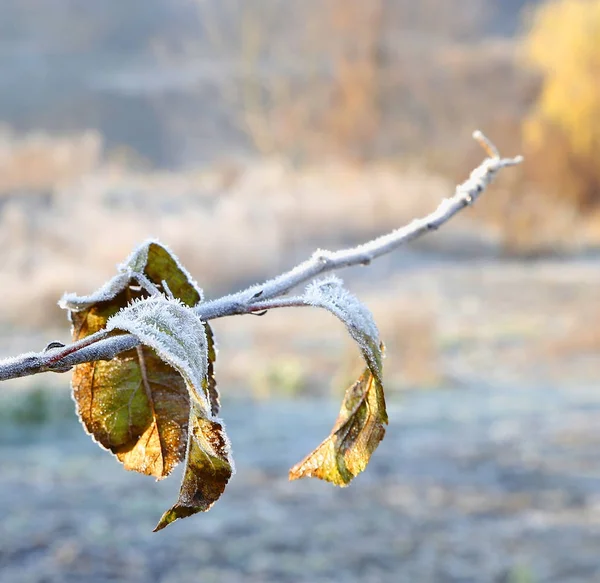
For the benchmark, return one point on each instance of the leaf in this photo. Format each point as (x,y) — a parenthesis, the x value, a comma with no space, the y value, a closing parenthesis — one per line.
(135,405)
(360,424)
(156,405)
(208,469)
(356,434)
(152,260)
(209,381)
(176,333)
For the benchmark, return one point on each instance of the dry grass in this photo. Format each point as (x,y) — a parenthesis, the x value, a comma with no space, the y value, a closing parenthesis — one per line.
(38,163)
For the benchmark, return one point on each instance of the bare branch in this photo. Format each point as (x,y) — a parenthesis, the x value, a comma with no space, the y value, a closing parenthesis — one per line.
(268,295)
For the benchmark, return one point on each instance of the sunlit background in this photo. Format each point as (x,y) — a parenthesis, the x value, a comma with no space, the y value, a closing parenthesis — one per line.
(244,134)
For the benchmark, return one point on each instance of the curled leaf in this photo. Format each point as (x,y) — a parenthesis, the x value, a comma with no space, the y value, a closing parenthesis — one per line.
(208,467)
(135,405)
(356,434)
(330,294)
(360,425)
(153,261)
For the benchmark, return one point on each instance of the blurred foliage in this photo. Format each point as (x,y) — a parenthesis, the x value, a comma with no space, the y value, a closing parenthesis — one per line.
(562,133)
(520,574)
(551,203)
(284,377)
(356,81)
(34,406)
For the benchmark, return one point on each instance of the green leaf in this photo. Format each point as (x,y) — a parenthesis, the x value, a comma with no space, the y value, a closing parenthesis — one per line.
(152,261)
(175,333)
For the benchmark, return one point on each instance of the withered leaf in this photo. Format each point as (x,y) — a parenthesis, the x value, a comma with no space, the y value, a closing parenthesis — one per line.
(207,471)
(138,405)
(356,434)
(175,332)
(135,405)
(360,425)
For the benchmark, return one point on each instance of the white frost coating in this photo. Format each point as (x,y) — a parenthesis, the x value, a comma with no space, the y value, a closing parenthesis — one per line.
(71,301)
(177,335)
(330,294)
(136,262)
(131,269)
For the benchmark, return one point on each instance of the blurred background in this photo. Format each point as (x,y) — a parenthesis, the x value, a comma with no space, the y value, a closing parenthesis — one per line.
(245,134)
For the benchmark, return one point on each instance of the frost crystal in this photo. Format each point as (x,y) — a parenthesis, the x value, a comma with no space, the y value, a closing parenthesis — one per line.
(137,260)
(330,294)
(177,335)
(107,292)
(131,269)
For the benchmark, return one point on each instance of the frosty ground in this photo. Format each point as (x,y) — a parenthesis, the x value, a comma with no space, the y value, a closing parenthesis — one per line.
(469,485)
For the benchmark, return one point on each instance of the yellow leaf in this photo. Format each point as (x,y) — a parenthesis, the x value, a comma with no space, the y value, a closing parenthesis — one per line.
(134,405)
(208,469)
(356,434)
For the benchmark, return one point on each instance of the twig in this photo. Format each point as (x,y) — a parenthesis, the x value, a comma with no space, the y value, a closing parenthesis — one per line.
(268,295)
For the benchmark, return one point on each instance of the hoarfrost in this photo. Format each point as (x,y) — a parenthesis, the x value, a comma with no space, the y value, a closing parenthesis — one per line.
(114,286)
(331,294)
(131,269)
(177,335)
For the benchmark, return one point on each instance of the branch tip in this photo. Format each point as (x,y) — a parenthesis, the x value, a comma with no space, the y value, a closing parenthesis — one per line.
(486,144)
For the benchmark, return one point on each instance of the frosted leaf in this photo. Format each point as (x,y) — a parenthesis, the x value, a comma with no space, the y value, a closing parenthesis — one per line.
(136,262)
(143,264)
(176,334)
(208,468)
(156,405)
(112,288)
(143,258)
(360,425)
(330,294)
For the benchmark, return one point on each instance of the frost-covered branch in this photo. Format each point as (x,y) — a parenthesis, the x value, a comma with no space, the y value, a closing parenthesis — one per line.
(61,359)
(272,293)
(325,261)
